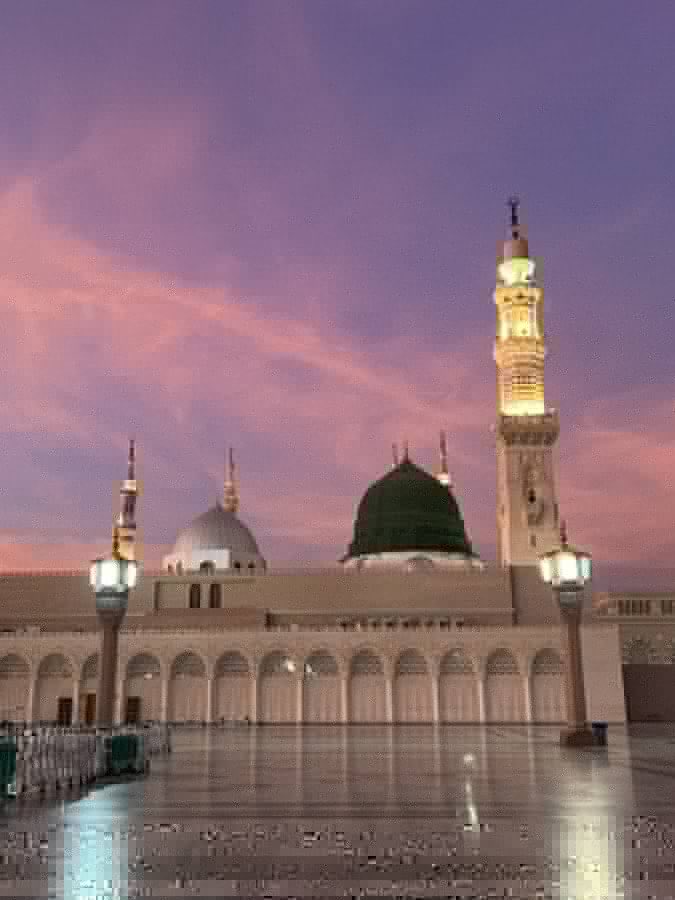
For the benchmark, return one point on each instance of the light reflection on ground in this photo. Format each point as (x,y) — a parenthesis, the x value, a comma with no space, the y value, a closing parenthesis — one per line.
(333,811)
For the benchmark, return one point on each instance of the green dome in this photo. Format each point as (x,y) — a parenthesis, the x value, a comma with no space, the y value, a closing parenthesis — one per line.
(408,509)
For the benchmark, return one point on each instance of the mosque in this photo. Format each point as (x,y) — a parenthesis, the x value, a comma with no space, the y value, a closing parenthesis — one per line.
(409,626)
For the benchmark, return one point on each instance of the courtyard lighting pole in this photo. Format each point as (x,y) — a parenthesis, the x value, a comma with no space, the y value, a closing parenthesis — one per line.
(111,578)
(567,570)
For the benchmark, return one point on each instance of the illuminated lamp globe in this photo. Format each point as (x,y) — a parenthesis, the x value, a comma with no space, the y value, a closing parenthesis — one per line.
(112,578)
(566,569)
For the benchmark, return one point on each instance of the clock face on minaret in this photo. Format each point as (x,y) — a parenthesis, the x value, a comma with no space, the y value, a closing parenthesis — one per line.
(527,508)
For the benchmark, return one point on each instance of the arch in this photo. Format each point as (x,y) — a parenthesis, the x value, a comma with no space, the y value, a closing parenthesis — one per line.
(547,687)
(143,664)
(321,662)
(215,596)
(278,687)
(12,665)
(232,662)
(195,596)
(90,668)
(54,687)
(56,665)
(142,687)
(14,688)
(232,687)
(504,688)
(188,663)
(367,688)
(411,662)
(207,567)
(412,688)
(501,662)
(187,688)
(458,688)
(321,695)
(366,662)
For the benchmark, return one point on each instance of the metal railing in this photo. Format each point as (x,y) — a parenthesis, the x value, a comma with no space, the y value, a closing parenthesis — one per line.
(638,606)
(47,758)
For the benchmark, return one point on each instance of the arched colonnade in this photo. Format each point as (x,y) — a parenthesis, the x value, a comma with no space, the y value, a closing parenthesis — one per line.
(280,686)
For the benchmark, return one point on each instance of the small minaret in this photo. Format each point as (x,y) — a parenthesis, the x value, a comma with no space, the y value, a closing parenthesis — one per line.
(406,454)
(443,474)
(394,456)
(125,525)
(230,493)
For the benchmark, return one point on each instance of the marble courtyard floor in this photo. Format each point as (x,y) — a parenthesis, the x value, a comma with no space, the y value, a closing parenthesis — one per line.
(410,811)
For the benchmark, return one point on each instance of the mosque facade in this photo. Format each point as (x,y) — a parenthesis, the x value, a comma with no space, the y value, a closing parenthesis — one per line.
(409,626)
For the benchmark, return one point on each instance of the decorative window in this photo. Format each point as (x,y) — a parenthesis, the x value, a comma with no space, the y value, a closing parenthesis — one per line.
(207,567)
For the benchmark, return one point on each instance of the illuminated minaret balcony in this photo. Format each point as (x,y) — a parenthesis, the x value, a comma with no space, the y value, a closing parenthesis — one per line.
(519,343)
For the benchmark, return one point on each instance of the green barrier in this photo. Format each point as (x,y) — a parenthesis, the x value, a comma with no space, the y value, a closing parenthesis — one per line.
(127,754)
(7,765)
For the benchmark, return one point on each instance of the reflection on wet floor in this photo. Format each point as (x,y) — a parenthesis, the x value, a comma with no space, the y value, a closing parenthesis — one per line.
(361,811)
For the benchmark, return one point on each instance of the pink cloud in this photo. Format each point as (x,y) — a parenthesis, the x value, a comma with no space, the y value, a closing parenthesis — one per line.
(324,407)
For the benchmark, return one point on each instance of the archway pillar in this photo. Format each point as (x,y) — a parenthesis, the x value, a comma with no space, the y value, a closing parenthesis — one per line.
(527,693)
(344,697)
(253,697)
(435,696)
(482,706)
(164,697)
(29,712)
(389,674)
(209,697)
(298,697)
(75,718)
(119,701)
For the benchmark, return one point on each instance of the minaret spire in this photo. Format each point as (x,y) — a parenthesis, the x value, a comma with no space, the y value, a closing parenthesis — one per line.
(394,455)
(514,204)
(125,524)
(230,493)
(443,474)
(406,455)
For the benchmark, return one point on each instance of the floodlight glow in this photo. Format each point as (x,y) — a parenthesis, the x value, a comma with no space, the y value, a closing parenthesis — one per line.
(519,270)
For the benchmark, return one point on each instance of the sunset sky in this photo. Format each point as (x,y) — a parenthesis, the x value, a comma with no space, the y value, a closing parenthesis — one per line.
(274,225)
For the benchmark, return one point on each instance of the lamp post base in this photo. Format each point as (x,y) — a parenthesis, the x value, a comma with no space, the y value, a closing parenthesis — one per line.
(577,737)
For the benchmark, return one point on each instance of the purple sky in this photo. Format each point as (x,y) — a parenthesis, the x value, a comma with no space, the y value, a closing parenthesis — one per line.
(274,225)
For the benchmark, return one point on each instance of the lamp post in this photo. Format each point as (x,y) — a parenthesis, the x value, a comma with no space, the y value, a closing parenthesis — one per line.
(567,570)
(111,578)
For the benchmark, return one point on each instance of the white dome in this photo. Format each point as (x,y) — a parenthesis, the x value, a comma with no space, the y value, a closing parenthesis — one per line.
(216,529)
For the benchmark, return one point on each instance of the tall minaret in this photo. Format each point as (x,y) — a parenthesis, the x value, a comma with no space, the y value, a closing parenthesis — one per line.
(527,507)
(125,525)
(443,474)
(230,493)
